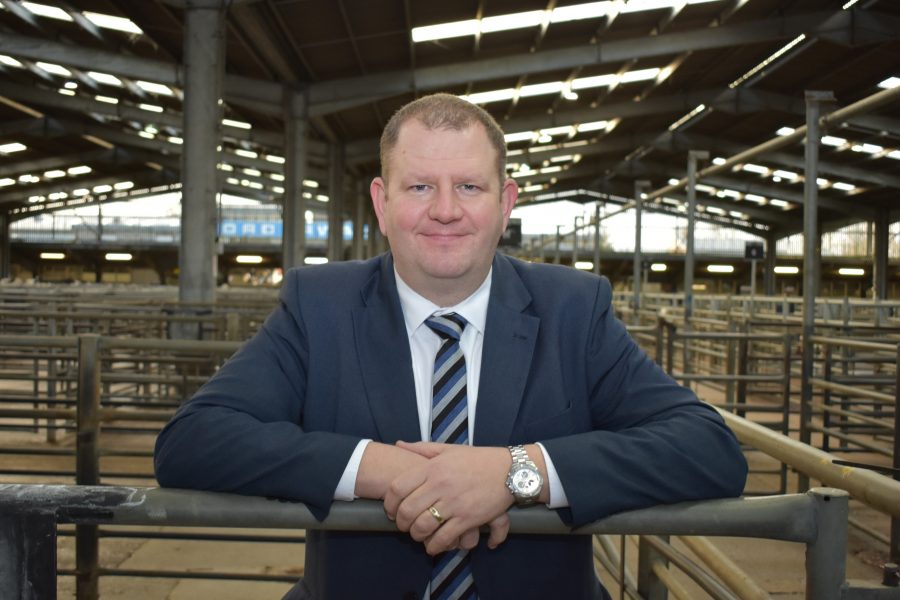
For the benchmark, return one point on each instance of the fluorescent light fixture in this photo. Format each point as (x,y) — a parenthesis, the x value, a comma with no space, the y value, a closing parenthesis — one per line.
(677,124)
(591,126)
(731,194)
(315,260)
(719,160)
(520,20)
(151,108)
(895,154)
(310,183)
(276,176)
(822,182)
(445,30)
(248,259)
(123,185)
(54,68)
(105,78)
(57,196)
(548,170)
(277,189)
(491,96)
(12,147)
(533,188)
(783,131)
(66,92)
(238,124)
(699,287)
(79,170)
(752,168)
(279,160)
(639,75)
(673,181)
(786,270)
(844,187)
(706,189)
(540,89)
(253,172)
(762,65)
(7,181)
(155,88)
(107,99)
(232,181)
(54,174)
(563,158)
(322,197)
(71,85)
(590,10)
(640,5)
(246,153)
(118,256)
(867,148)
(146,134)
(175,140)
(851,271)
(720,268)
(582,83)
(102,189)
(659,267)
(519,136)
(9,61)
(584,265)
(81,192)
(830,140)
(51,12)
(563,130)
(544,139)
(779,203)
(889,83)
(53,255)
(789,175)
(111,22)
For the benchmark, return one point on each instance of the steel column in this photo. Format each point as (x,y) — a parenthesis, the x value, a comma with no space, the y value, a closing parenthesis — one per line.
(28,556)
(5,262)
(639,187)
(336,204)
(811,247)
(557,259)
(769,271)
(894,551)
(87,462)
(880,259)
(293,241)
(693,157)
(359,219)
(204,58)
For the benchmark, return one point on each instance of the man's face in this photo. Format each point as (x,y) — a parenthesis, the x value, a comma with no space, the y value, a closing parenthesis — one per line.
(443,209)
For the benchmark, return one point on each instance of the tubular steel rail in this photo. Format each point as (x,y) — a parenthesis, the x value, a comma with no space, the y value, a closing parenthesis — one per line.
(29,515)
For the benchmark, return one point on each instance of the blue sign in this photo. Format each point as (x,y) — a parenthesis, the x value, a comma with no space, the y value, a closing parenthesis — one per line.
(317,230)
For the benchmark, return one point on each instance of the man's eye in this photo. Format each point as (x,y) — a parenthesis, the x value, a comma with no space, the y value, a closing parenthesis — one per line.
(469,187)
(419,188)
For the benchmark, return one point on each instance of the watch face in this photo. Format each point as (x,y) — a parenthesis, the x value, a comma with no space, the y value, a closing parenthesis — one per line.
(526,482)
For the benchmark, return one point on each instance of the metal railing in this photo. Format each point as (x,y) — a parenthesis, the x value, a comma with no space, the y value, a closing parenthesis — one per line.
(29,515)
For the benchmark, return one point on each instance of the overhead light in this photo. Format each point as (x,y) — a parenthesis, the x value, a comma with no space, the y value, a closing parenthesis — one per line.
(111,22)
(851,271)
(107,99)
(315,260)
(786,270)
(591,10)
(123,185)
(519,136)
(492,96)
(54,68)
(275,159)
(54,174)
(443,31)
(253,172)
(105,78)
(844,187)
(755,198)
(520,20)
(719,160)
(151,107)
(699,287)
(720,268)
(867,148)
(79,170)
(563,130)
(155,88)
(248,259)
(889,83)
(51,12)
(276,176)
(533,188)
(102,189)
(66,92)
(70,85)
(584,265)
(641,5)
(53,255)
(658,267)
(246,153)
(752,168)
(790,175)
(582,83)
(12,147)
(639,75)
(540,89)
(779,203)
(686,118)
(81,192)
(7,181)
(238,124)
(895,154)
(783,131)
(9,61)
(118,256)
(591,126)
(830,140)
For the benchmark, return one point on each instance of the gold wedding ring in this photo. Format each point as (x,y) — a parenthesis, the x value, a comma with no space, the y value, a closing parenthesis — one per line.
(436,514)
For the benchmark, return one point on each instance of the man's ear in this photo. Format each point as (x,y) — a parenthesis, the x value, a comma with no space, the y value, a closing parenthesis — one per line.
(378,191)
(509,193)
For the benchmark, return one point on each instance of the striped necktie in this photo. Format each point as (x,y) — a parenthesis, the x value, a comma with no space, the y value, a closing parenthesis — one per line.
(451,575)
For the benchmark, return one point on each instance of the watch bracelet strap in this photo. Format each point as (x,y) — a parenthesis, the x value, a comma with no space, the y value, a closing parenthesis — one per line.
(520,456)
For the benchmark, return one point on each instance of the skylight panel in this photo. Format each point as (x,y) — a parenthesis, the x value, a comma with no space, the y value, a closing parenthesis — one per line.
(492,96)
(444,31)
(582,83)
(591,10)
(641,5)
(43,10)
(520,136)
(639,75)
(111,22)
(889,83)
(591,126)
(538,89)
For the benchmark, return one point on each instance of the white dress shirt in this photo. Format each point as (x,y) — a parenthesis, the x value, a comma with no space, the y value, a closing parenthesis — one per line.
(423,345)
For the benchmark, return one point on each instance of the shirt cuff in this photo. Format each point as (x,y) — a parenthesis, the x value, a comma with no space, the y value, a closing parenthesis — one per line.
(347,485)
(558,497)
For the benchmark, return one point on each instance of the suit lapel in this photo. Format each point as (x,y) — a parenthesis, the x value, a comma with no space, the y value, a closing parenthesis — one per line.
(509,340)
(383,350)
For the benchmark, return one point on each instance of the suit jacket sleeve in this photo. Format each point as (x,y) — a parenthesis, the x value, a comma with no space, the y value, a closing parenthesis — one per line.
(244,430)
(651,440)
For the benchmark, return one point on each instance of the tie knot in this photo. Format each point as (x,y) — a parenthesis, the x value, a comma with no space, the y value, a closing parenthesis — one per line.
(448,326)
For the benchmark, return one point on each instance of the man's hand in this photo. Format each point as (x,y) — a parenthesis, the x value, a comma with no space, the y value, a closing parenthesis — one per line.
(465,484)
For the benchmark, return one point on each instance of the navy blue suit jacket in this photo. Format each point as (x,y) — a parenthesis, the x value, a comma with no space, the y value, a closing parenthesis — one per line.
(331,365)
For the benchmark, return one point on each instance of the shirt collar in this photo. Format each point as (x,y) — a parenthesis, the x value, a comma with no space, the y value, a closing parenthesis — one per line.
(417,308)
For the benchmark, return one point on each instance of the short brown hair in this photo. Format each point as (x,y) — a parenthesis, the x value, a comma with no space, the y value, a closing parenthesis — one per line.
(443,111)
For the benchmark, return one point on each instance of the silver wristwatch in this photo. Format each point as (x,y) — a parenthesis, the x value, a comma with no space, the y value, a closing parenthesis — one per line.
(524,480)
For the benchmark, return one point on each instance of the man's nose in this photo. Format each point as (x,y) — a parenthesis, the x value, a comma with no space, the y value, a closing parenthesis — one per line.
(445,206)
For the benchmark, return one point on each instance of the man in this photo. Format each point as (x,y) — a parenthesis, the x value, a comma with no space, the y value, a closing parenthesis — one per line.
(531,388)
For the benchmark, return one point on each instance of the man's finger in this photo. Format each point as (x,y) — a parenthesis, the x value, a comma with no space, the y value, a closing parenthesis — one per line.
(399,489)
(426,449)
(469,539)
(499,530)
